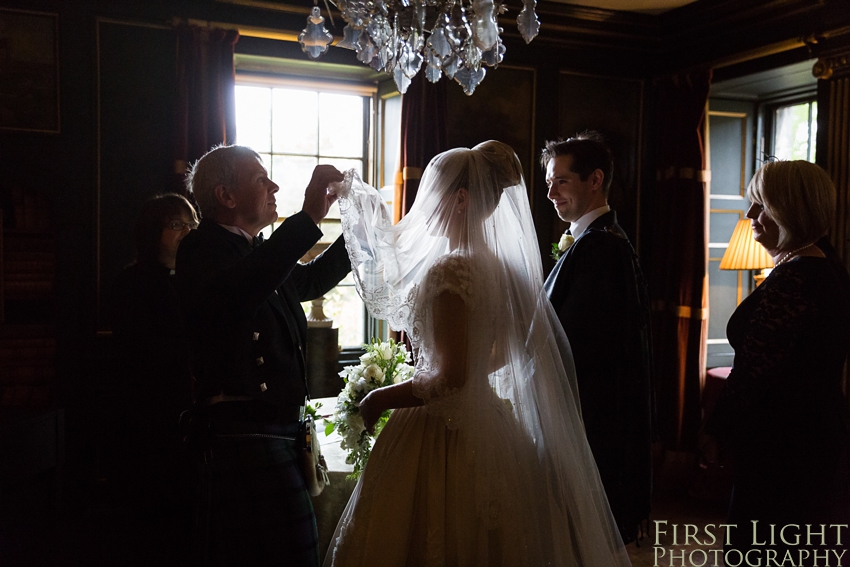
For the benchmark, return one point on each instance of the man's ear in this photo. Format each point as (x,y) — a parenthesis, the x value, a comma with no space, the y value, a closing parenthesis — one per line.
(225,197)
(597,178)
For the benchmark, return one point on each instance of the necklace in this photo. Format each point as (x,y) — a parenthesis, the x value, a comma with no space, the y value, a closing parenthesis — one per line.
(790,255)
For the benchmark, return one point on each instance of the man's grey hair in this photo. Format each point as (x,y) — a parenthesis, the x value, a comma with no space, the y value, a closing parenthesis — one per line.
(219,166)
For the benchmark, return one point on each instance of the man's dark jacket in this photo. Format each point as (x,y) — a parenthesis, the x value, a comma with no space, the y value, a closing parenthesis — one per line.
(600,295)
(247,327)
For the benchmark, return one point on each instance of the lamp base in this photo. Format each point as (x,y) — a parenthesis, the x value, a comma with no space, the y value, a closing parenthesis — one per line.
(760,275)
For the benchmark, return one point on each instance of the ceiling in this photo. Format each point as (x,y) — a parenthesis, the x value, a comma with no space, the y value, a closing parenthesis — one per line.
(644,6)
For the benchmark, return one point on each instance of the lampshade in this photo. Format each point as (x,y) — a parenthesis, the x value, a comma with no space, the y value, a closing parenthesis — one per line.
(744,253)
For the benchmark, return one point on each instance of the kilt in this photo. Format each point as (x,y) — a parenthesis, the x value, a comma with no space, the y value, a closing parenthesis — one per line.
(258,510)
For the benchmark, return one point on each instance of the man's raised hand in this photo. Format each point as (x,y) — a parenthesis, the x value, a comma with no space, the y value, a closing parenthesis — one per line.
(317,199)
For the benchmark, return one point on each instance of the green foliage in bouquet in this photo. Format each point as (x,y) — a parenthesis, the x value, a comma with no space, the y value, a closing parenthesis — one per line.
(383,364)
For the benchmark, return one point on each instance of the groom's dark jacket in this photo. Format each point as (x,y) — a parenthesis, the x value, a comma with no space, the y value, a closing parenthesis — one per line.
(600,296)
(247,329)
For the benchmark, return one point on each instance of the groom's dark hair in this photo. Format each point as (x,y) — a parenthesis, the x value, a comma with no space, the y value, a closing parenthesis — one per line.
(589,151)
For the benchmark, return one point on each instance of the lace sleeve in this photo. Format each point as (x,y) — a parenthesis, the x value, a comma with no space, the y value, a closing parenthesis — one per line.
(768,346)
(452,273)
(442,323)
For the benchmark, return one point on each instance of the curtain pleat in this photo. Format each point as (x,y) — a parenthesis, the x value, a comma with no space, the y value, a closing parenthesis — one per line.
(423,133)
(206,79)
(834,155)
(678,263)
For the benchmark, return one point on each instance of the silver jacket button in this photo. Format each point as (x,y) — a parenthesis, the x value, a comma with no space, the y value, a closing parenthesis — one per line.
(260,361)
(256,336)
(263,387)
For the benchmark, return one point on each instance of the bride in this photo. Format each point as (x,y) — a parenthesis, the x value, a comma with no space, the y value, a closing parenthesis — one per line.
(485,463)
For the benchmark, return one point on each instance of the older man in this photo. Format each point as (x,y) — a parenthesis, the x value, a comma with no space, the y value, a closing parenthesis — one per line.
(248,336)
(599,293)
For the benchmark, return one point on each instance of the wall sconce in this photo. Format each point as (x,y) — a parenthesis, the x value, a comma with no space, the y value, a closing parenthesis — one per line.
(744,253)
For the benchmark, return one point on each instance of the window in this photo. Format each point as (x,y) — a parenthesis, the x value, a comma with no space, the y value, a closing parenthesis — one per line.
(730,135)
(750,117)
(795,129)
(294,126)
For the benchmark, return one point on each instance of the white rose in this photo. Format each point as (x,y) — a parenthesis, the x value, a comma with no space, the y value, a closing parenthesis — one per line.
(386,351)
(565,242)
(367,359)
(356,423)
(374,373)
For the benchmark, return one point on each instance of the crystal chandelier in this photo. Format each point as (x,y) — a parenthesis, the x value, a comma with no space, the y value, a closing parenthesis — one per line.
(455,38)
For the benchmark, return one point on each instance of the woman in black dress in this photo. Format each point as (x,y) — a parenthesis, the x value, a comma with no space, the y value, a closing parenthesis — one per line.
(151,374)
(782,414)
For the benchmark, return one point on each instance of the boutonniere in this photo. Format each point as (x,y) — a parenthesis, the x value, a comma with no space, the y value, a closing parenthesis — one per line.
(558,248)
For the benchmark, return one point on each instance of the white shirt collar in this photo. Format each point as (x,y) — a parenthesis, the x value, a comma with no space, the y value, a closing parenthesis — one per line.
(237,230)
(579,226)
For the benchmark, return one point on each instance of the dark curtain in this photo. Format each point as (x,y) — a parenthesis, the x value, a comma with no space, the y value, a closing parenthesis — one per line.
(678,262)
(423,134)
(833,149)
(206,78)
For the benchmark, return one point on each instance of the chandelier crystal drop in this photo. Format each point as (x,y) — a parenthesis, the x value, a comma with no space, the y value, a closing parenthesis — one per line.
(453,38)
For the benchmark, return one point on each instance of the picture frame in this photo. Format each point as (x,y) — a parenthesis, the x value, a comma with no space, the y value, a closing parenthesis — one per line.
(29,71)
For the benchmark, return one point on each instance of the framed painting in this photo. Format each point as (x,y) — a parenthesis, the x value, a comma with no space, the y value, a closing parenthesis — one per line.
(29,71)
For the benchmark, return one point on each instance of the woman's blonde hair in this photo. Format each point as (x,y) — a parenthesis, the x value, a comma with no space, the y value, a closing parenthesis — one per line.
(799,196)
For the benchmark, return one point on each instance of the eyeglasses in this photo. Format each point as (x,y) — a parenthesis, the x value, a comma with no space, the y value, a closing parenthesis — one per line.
(180,225)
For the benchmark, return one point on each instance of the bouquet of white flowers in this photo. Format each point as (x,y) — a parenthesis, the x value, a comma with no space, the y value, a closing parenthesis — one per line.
(384,364)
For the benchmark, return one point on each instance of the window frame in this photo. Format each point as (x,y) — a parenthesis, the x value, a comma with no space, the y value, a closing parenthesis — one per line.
(767,121)
(374,95)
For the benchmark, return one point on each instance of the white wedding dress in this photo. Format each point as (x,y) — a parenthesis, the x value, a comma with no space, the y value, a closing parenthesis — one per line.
(496,471)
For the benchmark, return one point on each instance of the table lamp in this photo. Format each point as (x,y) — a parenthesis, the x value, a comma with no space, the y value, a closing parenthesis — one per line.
(744,253)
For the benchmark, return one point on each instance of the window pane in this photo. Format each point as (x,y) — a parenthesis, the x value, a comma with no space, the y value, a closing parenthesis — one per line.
(291,173)
(791,140)
(340,125)
(392,139)
(345,164)
(296,121)
(253,117)
(331,227)
(814,126)
(343,305)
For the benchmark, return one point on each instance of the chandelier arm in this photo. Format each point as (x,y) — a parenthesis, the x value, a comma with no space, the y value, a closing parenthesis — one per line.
(330,15)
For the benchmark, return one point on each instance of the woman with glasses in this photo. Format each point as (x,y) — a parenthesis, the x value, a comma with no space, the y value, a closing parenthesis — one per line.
(150,376)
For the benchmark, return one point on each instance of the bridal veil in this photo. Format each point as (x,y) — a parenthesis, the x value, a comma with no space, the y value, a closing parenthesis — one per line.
(471,216)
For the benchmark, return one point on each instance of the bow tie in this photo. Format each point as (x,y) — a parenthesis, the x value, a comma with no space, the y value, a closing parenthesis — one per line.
(257,240)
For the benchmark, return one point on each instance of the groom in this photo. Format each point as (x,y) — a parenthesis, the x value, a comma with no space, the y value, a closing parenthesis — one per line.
(599,294)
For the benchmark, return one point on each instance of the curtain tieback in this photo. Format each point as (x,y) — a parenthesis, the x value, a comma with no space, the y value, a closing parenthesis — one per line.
(411,173)
(681,311)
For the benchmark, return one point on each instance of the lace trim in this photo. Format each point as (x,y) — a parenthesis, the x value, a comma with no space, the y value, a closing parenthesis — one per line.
(381,299)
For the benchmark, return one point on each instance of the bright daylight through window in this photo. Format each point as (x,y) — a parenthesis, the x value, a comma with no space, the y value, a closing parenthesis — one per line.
(293,130)
(795,131)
